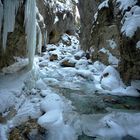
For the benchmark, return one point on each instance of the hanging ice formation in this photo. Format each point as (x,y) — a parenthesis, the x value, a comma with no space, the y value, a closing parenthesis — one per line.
(30,27)
(1,14)
(8,10)
(39,38)
(9,13)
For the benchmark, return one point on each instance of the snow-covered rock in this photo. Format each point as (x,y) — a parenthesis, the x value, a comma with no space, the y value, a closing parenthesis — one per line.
(110,78)
(51,101)
(40,84)
(53,122)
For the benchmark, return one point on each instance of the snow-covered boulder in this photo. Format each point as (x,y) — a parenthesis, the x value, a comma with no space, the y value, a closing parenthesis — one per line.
(110,79)
(57,130)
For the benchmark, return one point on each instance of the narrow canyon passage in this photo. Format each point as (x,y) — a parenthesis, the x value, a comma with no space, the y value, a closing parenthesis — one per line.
(69,70)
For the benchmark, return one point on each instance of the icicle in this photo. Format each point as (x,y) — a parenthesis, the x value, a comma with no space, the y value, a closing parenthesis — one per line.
(30,26)
(1,14)
(45,38)
(9,13)
(39,45)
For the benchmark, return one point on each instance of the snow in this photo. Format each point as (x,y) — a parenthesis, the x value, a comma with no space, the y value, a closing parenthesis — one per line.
(56,19)
(103,4)
(125,4)
(40,84)
(3,130)
(138,45)
(114,125)
(17,66)
(7,100)
(110,78)
(111,81)
(112,44)
(80,54)
(53,121)
(9,13)
(111,59)
(131,22)
(136,84)
(51,101)
(64,6)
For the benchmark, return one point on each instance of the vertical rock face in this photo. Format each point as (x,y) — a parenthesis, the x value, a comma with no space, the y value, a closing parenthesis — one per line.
(105,38)
(58,19)
(105,34)
(87,9)
(130,57)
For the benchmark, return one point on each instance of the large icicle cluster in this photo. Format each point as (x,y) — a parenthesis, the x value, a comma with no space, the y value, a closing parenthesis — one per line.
(1,14)
(30,22)
(9,12)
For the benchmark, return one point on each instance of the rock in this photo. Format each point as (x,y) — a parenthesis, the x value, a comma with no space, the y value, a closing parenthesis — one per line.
(43,49)
(2,119)
(79,55)
(28,130)
(66,40)
(53,57)
(67,63)
(87,9)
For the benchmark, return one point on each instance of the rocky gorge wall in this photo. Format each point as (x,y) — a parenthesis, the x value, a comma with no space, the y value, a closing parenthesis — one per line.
(105,40)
